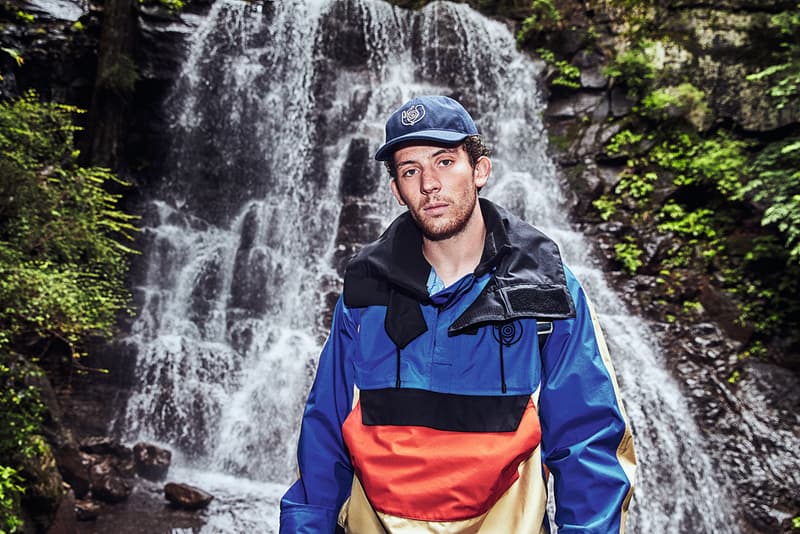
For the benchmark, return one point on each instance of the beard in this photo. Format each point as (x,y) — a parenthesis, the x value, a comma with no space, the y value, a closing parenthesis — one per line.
(450,225)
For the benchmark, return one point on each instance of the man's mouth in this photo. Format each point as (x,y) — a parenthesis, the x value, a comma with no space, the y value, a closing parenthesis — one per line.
(435,208)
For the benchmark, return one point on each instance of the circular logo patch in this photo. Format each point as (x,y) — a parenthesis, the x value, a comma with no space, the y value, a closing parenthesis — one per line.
(507,333)
(412,115)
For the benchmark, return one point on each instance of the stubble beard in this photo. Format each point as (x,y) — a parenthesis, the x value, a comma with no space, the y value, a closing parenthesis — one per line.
(441,228)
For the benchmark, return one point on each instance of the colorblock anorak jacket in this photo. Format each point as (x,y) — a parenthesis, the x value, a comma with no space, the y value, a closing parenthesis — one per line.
(439,413)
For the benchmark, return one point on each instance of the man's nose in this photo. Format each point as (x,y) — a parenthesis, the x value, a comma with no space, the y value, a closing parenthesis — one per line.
(430,182)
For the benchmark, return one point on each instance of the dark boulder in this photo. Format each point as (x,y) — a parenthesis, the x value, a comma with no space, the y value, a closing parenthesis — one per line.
(74,469)
(88,510)
(186,496)
(152,462)
(103,445)
(108,484)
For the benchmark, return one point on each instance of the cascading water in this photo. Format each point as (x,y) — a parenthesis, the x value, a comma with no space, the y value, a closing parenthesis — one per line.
(269,185)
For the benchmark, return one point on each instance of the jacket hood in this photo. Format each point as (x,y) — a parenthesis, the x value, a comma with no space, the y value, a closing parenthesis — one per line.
(528,276)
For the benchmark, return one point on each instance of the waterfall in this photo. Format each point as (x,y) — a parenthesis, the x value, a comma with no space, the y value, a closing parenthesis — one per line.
(268,186)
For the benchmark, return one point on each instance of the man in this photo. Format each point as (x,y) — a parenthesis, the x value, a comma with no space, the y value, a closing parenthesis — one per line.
(463,368)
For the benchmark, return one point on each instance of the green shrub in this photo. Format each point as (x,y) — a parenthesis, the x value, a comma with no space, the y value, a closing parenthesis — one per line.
(567,74)
(606,207)
(785,73)
(629,255)
(777,185)
(62,252)
(63,261)
(638,187)
(21,412)
(681,101)
(543,13)
(624,142)
(634,68)
(10,491)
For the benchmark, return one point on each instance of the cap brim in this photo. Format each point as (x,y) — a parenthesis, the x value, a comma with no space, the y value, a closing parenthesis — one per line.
(385,152)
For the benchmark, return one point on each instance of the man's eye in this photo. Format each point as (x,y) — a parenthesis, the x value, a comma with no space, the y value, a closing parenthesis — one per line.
(446,162)
(408,173)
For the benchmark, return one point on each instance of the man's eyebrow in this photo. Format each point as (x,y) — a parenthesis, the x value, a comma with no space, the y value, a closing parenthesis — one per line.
(445,150)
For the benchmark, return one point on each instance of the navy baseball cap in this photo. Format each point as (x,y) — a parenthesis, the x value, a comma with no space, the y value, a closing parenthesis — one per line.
(439,119)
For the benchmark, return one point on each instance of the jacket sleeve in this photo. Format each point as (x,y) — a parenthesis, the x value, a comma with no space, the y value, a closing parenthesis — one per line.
(586,438)
(312,503)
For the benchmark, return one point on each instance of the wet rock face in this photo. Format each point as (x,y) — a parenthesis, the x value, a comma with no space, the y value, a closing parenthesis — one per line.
(74,468)
(44,492)
(721,47)
(64,521)
(345,44)
(746,409)
(357,168)
(763,457)
(58,49)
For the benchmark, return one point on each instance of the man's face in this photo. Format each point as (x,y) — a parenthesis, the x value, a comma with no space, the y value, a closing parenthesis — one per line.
(439,186)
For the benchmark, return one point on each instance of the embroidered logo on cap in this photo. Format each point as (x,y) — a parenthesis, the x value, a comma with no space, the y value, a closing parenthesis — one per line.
(412,115)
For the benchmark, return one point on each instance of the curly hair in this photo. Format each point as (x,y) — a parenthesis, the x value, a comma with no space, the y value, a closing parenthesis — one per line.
(473,145)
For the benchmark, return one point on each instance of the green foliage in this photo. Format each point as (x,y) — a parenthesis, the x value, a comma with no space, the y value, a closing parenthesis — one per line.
(543,12)
(22,408)
(692,224)
(777,184)
(717,162)
(691,307)
(623,142)
(606,206)
(796,522)
(718,184)
(62,257)
(721,161)
(629,255)
(681,101)
(567,74)
(10,491)
(767,285)
(62,265)
(23,17)
(15,55)
(785,74)
(755,350)
(634,67)
(758,306)
(694,227)
(636,186)
(21,412)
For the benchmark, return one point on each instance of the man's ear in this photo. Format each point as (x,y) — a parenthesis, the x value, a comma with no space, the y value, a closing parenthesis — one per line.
(482,170)
(396,192)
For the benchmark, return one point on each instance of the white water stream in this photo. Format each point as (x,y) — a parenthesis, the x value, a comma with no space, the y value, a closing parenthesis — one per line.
(242,240)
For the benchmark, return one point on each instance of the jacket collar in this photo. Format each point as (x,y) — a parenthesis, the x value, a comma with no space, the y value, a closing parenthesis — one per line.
(528,276)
